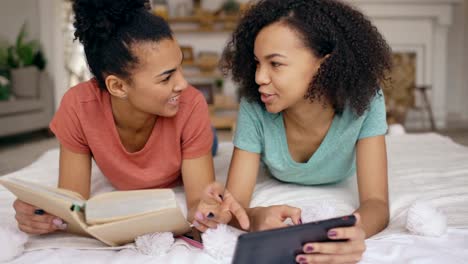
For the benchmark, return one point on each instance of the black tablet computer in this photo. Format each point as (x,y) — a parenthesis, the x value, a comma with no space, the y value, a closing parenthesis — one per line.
(283,244)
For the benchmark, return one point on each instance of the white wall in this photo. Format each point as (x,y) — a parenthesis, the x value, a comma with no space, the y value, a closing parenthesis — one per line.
(13,13)
(51,28)
(465,67)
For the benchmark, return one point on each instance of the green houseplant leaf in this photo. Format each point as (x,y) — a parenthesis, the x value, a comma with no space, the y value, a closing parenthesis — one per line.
(3,58)
(231,7)
(25,53)
(4,88)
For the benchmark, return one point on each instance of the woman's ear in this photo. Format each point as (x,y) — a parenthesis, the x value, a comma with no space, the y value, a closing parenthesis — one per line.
(116,86)
(322,60)
(325,58)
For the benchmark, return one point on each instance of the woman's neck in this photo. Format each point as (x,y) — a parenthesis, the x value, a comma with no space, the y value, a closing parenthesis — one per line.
(130,119)
(309,116)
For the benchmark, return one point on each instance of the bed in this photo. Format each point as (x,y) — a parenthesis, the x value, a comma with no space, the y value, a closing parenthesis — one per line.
(422,167)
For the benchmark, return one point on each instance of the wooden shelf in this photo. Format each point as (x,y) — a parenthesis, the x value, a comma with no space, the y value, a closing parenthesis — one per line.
(205,24)
(223,122)
(200,30)
(189,64)
(211,75)
(224,102)
(195,19)
(223,113)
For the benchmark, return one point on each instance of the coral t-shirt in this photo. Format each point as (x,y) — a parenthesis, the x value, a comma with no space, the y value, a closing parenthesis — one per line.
(84,123)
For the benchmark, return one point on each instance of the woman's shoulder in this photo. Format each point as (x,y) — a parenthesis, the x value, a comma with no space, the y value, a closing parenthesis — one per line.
(82,92)
(255,110)
(371,122)
(376,103)
(251,106)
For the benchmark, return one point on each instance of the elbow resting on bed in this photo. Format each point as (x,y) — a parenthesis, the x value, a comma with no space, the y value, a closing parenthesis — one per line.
(375,216)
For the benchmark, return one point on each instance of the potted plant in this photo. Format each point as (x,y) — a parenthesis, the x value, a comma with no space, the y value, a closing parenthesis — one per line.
(25,59)
(4,88)
(4,74)
(231,7)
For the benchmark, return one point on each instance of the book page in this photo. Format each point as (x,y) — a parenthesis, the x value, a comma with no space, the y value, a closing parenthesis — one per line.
(119,205)
(68,195)
(125,231)
(53,201)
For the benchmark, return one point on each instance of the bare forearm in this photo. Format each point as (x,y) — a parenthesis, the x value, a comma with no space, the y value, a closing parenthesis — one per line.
(374,215)
(75,172)
(197,174)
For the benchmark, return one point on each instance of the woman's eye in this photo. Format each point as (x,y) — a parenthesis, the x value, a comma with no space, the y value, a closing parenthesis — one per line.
(167,78)
(275,64)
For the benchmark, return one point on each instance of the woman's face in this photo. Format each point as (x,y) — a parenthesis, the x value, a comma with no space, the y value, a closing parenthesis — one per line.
(157,80)
(285,67)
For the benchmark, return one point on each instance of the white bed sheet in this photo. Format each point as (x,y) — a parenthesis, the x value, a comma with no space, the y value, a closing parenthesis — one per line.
(421,167)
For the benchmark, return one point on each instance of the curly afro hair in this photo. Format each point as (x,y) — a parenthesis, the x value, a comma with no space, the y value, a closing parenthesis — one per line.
(359,57)
(108,29)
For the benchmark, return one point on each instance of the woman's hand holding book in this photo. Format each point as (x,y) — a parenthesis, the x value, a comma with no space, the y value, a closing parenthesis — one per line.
(35,221)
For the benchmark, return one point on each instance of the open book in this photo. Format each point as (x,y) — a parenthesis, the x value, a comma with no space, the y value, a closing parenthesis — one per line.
(114,218)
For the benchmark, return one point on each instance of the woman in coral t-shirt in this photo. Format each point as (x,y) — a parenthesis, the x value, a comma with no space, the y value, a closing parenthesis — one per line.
(138,118)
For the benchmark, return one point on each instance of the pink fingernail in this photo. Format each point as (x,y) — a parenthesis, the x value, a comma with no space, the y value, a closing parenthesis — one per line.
(57,222)
(63,226)
(332,233)
(309,249)
(199,216)
(195,224)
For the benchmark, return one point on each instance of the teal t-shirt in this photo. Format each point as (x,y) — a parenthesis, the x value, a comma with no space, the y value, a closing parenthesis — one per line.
(262,132)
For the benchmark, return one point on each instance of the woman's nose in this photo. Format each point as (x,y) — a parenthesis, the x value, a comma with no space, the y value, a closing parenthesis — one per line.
(261,76)
(181,83)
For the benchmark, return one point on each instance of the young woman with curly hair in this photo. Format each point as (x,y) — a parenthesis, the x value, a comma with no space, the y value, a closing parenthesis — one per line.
(312,112)
(138,118)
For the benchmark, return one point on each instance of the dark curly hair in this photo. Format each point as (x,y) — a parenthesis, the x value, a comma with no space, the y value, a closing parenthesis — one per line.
(359,58)
(108,29)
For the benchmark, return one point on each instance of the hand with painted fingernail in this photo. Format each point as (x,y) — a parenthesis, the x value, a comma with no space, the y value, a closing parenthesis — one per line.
(35,221)
(218,206)
(348,251)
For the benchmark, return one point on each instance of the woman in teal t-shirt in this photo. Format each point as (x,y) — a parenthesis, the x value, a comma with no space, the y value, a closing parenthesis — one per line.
(312,112)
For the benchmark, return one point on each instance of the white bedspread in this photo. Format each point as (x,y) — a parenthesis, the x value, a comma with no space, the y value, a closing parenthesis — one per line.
(421,167)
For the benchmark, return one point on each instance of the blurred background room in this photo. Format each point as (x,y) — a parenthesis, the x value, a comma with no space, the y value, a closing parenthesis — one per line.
(39,61)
